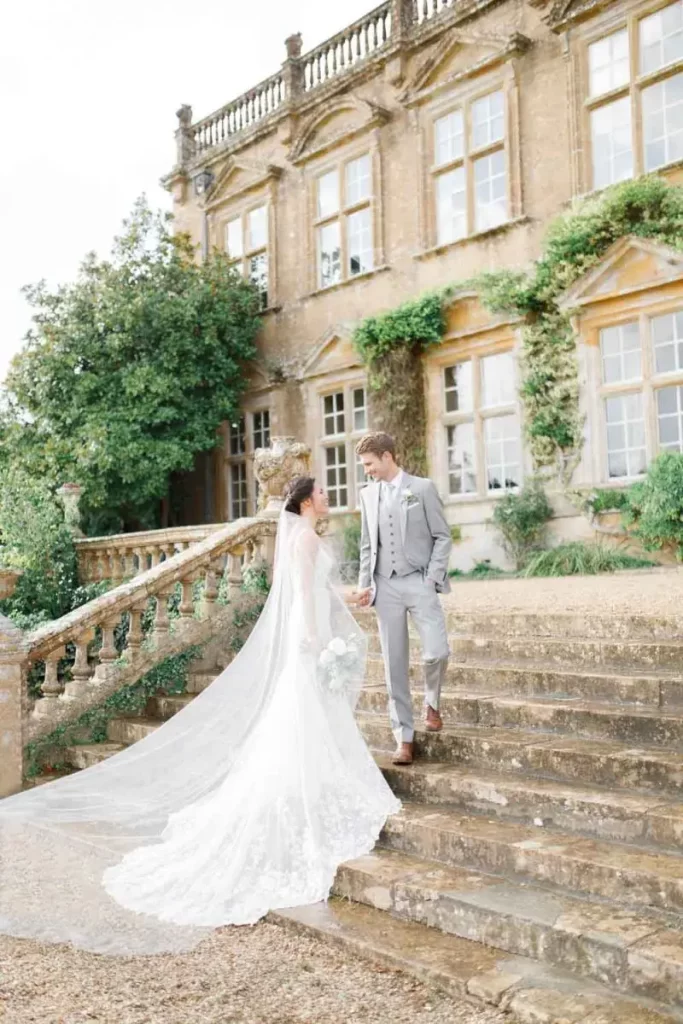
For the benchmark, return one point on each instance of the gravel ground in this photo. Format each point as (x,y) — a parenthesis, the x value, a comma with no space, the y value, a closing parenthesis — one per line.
(260,975)
(655,592)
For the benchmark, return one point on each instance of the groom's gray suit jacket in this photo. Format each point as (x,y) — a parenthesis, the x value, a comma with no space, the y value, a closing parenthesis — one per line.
(425,534)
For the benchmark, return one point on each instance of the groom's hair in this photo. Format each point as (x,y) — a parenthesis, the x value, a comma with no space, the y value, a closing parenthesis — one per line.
(377,444)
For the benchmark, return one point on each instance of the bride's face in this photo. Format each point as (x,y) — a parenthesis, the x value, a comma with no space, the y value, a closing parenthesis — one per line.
(319,502)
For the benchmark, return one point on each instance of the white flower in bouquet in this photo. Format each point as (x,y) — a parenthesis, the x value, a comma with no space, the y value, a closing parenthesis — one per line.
(340,662)
(337,646)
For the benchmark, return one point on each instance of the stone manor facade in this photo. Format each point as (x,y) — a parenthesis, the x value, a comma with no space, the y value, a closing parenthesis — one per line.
(427,142)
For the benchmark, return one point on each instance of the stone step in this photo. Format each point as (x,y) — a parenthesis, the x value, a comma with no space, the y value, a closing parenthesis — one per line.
(533,992)
(590,719)
(165,706)
(588,810)
(631,875)
(593,762)
(42,780)
(617,626)
(198,681)
(634,953)
(656,690)
(646,656)
(85,755)
(130,730)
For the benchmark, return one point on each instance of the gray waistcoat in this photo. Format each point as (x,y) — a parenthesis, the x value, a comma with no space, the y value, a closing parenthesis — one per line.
(390,554)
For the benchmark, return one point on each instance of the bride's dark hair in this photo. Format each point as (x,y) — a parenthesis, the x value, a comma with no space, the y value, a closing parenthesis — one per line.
(299,490)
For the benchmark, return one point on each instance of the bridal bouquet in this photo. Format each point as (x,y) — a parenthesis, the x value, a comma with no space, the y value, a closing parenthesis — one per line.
(341,662)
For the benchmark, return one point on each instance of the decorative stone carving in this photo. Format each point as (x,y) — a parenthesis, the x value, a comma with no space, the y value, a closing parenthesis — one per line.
(70,495)
(274,467)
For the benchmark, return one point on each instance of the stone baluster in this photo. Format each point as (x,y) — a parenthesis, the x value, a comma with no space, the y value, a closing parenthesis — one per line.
(135,637)
(161,619)
(117,569)
(107,653)
(139,561)
(155,556)
(81,670)
(210,592)
(103,570)
(186,606)
(128,563)
(51,687)
(169,551)
(234,574)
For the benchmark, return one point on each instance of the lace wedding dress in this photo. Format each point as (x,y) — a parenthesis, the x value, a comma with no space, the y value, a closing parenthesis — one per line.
(244,802)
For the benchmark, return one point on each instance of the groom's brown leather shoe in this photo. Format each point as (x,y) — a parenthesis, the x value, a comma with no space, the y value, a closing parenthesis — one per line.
(433,720)
(404,754)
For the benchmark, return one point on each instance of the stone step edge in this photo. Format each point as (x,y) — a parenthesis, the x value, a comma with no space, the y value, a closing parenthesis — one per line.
(546,667)
(529,991)
(583,936)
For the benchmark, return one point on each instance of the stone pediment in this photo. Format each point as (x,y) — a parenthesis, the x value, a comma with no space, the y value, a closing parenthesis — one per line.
(333,353)
(630,264)
(238,176)
(564,11)
(458,56)
(337,124)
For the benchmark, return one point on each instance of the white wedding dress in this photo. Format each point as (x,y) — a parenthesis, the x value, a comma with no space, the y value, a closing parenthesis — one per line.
(246,801)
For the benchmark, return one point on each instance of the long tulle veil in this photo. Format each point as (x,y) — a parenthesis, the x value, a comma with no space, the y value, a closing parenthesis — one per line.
(57,841)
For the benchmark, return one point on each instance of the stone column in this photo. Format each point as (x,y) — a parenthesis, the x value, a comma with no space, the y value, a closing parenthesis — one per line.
(402,21)
(274,467)
(184,136)
(11,696)
(293,70)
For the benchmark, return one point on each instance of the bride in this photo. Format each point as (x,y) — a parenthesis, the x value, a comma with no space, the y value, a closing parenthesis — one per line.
(244,802)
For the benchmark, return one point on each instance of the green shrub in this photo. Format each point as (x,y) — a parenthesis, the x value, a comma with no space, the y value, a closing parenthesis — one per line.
(655,506)
(579,559)
(606,500)
(350,536)
(521,520)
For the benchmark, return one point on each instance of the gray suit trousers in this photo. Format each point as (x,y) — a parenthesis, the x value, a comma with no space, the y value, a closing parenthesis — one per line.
(397,597)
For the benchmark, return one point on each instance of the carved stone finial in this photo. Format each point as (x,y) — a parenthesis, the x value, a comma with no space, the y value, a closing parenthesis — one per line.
(184,115)
(275,467)
(70,495)
(294,44)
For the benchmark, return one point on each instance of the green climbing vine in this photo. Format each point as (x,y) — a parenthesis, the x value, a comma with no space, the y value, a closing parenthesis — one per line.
(576,242)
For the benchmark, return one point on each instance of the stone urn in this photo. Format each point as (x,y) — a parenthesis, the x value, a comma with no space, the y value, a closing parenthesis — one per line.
(10,635)
(70,495)
(8,581)
(275,467)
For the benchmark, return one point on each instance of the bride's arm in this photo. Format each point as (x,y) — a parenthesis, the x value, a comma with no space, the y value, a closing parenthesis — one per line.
(306,551)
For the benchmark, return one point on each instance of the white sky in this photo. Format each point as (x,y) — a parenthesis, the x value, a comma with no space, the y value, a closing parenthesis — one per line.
(89,90)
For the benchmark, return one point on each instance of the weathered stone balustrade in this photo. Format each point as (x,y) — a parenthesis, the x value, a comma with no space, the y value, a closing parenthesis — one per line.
(124,555)
(381,33)
(95,674)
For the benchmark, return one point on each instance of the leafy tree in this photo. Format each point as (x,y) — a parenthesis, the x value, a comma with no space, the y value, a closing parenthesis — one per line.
(127,373)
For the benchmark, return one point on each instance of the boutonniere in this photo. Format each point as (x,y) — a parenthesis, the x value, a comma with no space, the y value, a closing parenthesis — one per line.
(408,498)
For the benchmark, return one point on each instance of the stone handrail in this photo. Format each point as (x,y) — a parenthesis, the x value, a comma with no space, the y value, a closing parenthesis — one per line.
(124,555)
(95,674)
(253,106)
(353,44)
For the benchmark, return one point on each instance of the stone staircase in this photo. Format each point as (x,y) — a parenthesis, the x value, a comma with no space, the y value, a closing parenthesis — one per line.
(537,863)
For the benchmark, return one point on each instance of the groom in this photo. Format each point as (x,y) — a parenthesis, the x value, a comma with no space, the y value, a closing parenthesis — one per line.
(404,552)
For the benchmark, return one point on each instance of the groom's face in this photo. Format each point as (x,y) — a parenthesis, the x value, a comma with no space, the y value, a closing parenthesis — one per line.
(379,467)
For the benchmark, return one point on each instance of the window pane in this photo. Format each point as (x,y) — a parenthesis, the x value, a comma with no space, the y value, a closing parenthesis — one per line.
(329,254)
(451,206)
(335,476)
(497,380)
(238,490)
(258,228)
(611,135)
(661,38)
(328,194)
(488,122)
(361,480)
(333,413)
(663,122)
(625,435)
(621,353)
(358,180)
(490,191)
(458,387)
(233,238)
(360,418)
(449,138)
(258,275)
(502,447)
(608,63)
(670,418)
(237,437)
(261,429)
(359,242)
(667,335)
(462,476)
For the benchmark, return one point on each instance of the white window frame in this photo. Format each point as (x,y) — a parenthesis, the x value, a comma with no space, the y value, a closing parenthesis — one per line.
(245,457)
(347,208)
(243,262)
(347,438)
